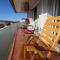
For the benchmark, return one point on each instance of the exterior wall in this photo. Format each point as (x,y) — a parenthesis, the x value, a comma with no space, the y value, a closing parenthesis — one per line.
(39,8)
(45,6)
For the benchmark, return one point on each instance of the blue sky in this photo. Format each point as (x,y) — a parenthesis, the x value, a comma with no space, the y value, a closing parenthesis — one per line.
(7,12)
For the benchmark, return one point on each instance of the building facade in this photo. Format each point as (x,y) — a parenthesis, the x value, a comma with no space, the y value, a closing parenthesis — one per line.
(51,7)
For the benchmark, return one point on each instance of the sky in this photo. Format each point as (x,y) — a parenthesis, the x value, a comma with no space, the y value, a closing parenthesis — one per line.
(7,12)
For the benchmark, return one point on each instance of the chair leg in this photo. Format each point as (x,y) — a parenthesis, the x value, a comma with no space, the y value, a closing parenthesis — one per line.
(33,57)
(46,58)
(24,52)
(49,55)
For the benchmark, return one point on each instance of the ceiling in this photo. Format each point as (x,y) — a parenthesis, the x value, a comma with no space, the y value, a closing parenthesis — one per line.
(22,5)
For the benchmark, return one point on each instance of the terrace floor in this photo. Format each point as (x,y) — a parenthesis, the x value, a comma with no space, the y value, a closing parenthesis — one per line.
(17,51)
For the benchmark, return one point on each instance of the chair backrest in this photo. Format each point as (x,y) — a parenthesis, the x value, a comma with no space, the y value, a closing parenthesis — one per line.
(50,33)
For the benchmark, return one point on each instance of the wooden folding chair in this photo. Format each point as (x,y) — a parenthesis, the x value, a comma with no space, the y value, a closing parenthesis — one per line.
(49,36)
